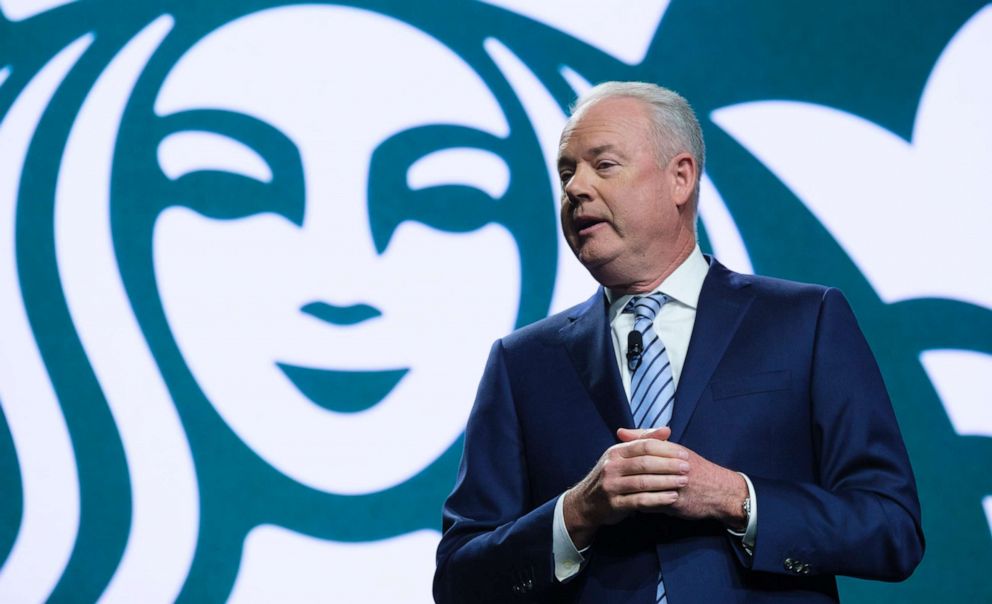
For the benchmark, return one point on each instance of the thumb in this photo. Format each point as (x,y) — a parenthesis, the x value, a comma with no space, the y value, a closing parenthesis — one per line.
(628,434)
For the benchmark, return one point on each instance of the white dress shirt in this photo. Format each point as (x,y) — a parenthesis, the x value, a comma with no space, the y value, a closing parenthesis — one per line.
(673,324)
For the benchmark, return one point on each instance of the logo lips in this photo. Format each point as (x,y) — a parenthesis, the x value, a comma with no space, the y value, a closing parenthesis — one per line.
(343,391)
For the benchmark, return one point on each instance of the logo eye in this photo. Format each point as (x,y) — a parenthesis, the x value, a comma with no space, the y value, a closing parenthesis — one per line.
(478,168)
(450,178)
(227,165)
(182,153)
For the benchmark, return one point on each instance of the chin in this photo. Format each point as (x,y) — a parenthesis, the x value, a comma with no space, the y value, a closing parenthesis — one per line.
(602,272)
(612,272)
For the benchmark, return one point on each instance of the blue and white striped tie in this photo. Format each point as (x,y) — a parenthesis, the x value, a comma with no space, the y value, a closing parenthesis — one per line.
(652,385)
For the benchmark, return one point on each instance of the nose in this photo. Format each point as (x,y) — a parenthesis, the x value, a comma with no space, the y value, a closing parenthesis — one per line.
(577,187)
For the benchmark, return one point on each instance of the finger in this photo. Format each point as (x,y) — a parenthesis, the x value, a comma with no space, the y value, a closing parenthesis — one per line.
(661,433)
(646,483)
(648,464)
(651,446)
(631,434)
(658,501)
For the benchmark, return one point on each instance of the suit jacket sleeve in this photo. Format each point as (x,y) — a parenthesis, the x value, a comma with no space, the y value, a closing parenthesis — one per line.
(862,517)
(496,545)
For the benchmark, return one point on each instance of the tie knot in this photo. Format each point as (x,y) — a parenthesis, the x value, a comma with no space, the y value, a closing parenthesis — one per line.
(646,307)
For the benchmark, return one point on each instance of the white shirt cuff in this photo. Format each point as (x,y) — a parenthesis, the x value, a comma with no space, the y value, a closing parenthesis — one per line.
(750,533)
(568,560)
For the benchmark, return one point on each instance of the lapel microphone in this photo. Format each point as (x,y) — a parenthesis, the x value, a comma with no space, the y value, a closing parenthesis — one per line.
(635,346)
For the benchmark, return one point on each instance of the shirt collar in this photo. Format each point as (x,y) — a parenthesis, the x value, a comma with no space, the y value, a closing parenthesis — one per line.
(683,285)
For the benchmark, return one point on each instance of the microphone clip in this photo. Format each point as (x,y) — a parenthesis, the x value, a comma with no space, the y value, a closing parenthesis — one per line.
(635,346)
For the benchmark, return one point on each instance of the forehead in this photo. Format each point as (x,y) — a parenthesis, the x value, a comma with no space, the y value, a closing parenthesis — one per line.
(321,73)
(620,122)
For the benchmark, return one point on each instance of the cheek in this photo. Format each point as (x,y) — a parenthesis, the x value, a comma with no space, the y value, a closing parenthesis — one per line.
(431,280)
(221,282)
(564,211)
(657,209)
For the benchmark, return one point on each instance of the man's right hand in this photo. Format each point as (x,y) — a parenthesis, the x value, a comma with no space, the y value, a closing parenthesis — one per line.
(639,475)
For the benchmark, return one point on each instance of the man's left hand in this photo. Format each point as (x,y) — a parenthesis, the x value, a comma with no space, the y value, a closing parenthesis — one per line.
(712,491)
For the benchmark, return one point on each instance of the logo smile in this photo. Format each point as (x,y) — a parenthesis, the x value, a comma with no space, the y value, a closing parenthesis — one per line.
(343,391)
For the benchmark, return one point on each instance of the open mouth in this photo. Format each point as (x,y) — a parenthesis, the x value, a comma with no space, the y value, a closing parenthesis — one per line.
(343,391)
(587,224)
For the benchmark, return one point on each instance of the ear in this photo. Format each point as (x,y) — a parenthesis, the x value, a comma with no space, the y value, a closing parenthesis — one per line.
(683,170)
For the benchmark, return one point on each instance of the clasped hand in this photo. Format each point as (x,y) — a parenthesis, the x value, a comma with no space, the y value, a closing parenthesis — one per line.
(648,473)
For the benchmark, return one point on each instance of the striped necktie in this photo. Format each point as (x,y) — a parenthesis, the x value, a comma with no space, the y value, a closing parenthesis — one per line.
(652,385)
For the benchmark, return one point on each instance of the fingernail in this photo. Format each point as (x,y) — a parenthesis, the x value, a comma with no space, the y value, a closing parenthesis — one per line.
(683,480)
(684,454)
(683,467)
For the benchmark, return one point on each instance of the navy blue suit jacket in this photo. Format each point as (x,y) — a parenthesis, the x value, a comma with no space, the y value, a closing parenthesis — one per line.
(778,383)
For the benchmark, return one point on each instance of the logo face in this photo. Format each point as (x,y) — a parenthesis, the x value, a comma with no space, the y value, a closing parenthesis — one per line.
(257,256)
(331,324)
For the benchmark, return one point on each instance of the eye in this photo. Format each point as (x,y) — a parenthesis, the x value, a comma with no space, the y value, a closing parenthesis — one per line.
(226,165)
(564,176)
(605,164)
(181,153)
(478,168)
(450,178)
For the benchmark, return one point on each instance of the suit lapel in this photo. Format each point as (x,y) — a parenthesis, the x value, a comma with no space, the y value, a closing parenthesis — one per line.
(723,301)
(587,340)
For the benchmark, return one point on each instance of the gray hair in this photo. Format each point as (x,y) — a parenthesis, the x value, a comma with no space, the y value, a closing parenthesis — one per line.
(676,128)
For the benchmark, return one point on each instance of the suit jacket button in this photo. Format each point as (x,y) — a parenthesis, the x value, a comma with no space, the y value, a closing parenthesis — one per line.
(805,569)
(517,589)
(790,564)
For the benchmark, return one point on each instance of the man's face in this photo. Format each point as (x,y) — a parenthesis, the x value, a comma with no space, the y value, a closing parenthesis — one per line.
(621,209)
(319,350)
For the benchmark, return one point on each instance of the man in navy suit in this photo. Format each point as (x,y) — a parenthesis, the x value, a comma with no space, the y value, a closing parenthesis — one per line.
(568,492)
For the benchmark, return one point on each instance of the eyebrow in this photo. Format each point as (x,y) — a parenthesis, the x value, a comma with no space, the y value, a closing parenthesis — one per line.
(601,149)
(594,152)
